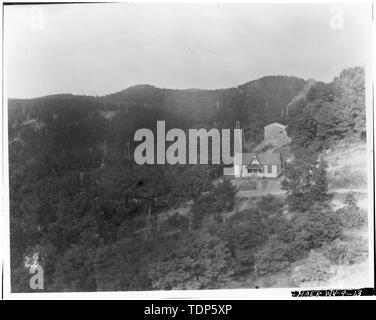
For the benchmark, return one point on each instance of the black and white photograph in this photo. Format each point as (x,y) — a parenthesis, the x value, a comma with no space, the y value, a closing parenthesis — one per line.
(182,148)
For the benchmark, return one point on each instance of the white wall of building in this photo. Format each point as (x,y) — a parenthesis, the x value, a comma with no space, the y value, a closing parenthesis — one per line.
(273,174)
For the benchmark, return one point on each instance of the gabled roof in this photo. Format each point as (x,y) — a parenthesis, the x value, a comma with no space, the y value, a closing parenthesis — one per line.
(275,124)
(255,166)
(265,158)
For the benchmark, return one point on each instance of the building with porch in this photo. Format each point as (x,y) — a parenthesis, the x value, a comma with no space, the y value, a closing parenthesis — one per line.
(259,165)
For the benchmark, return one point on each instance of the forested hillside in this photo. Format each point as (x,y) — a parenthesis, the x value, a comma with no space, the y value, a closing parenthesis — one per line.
(260,101)
(329,112)
(93,219)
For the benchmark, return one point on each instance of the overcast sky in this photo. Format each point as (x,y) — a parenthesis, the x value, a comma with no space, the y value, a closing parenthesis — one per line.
(96,49)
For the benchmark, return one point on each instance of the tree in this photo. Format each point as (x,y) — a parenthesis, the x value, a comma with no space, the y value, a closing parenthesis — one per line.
(74,271)
(220,199)
(192,260)
(118,266)
(350,86)
(312,229)
(245,232)
(346,252)
(189,182)
(272,257)
(270,209)
(329,112)
(316,269)
(351,216)
(305,183)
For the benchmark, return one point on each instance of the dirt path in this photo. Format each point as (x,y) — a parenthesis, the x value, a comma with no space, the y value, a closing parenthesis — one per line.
(258,193)
(346,190)
(278,191)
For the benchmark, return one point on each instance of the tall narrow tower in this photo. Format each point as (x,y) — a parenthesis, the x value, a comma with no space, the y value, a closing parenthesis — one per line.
(238,150)
(237,126)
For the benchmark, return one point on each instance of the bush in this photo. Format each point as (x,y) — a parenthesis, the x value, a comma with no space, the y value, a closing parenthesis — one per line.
(316,269)
(313,229)
(272,257)
(175,221)
(341,252)
(336,251)
(118,267)
(270,209)
(351,216)
(259,236)
(192,260)
(305,182)
(357,251)
(219,199)
(244,233)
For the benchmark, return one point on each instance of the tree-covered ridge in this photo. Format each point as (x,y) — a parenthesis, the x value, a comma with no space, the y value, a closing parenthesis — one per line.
(260,100)
(99,222)
(329,112)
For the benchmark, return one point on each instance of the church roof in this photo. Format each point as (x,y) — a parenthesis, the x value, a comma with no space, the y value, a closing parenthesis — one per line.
(265,158)
(255,166)
(275,124)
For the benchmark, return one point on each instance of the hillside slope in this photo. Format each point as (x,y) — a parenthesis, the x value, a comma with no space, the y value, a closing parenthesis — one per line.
(140,106)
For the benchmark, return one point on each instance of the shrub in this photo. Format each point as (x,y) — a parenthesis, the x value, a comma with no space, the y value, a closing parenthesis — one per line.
(341,252)
(357,251)
(305,182)
(175,221)
(219,199)
(192,260)
(117,267)
(271,258)
(244,233)
(336,251)
(313,229)
(351,216)
(316,269)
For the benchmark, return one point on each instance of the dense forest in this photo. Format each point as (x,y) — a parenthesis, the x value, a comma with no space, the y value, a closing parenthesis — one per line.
(96,221)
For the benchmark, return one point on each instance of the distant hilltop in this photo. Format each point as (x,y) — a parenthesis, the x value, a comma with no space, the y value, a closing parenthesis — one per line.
(259,100)
(68,121)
